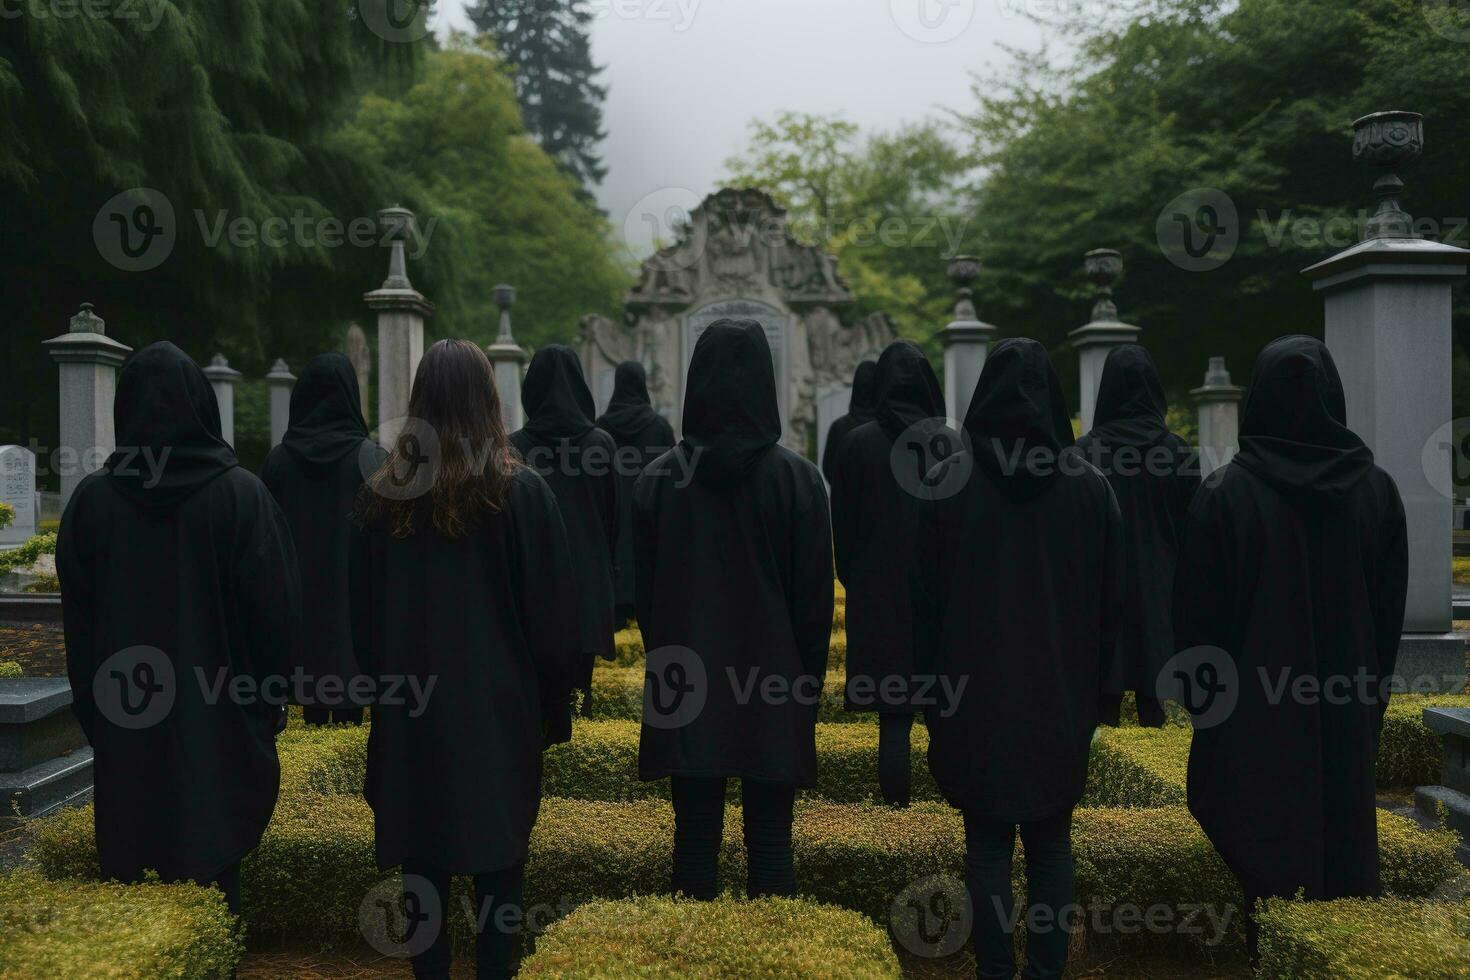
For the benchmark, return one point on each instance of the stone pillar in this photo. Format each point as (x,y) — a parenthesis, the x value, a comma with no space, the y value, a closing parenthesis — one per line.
(966,340)
(355,347)
(280,381)
(88,360)
(401,311)
(508,359)
(1217,403)
(223,378)
(1094,341)
(1388,312)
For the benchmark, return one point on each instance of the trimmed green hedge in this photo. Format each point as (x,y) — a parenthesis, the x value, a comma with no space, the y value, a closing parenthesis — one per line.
(630,652)
(77,929)
(1360,939)
(11,668)
(664,938)
(1408,752)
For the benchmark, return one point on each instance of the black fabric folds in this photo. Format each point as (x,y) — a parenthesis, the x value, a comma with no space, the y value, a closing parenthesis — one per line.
(731,417)
(630,410)
(908,391)
(555,396)
(1018,422)
(326,412)
(1131,405)
(859,412)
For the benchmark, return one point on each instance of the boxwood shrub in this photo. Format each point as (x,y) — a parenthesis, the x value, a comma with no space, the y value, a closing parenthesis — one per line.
(662,938)
(1360,939)
(617,694)
(76,929)
(1408,751)
(629,645)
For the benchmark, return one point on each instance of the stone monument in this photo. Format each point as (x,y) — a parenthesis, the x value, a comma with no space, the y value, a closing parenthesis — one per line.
(18,489)
(279,380)
(1094,341)
(355,347)
(737,257)
(401,312)
(1217,403)
(966,340)
(89,360)
(508,359)
(223,378)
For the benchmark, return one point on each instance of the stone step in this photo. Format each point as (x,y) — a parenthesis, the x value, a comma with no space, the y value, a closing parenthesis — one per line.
(47,786)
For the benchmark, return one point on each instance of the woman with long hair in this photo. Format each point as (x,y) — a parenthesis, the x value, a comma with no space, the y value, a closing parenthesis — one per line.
(461,582)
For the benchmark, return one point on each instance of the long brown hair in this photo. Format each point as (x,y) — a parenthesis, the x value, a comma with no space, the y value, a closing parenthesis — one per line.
(452,462)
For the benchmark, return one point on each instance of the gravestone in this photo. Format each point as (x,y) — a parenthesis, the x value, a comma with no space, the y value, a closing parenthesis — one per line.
(1452,796)
(736,257)
(18,489)
(45,761)
(833,402)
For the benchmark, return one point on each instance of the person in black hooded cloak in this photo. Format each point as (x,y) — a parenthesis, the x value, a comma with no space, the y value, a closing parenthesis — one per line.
(1154,475)
(1294,566)
(461,582)
(642,435)
(1016,589)
(177,576)
(875,515)
(560,442)
(314,474)
(735,601)
(859,412)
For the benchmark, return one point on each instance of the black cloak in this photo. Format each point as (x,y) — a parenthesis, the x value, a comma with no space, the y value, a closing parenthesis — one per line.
(1154,476)
(577,460)
(734,579)
(314,474)
(196,564)
(875,516)
(454,778)
(859,412)
(642,435)
(1016,587)
(1295,565)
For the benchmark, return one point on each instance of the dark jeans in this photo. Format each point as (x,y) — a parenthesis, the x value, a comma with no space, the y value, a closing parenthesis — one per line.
(1150,710)
(498,907)
(895,774)
(319,715)
(699,827)
(989,847)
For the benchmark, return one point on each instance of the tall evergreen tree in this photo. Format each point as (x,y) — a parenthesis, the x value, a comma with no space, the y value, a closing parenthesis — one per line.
(546,44)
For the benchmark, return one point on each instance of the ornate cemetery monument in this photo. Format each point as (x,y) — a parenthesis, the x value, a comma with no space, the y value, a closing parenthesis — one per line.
(1388,327)
(736,257)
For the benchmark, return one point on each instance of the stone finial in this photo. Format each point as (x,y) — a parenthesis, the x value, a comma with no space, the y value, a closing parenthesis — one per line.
(1217,373)
(280,371)
(1388,141)
(1104,266)
(85,321)
(219,369)
(963,271)
(398,225)
(505,298)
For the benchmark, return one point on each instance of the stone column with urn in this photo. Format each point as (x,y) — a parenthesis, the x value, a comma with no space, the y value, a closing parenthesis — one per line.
(223,378)
(401,313)
(1105,331)
(966,339)
(88,360)
(1217,403)
(279,380)
(1388,311)
(509,360)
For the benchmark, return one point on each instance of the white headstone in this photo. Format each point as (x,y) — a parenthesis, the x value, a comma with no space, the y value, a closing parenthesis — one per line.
(832,403)
(18,489)
(776,323)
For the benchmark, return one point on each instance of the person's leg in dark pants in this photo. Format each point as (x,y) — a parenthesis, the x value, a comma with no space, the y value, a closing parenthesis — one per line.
(425,890)
(699,826)
(1110,710)
(1150,711)
(895,770)
(989,848)
(767,810)
(499,899)
(1049,889)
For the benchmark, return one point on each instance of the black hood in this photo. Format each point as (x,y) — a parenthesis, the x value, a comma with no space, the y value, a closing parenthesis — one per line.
(555,396)
(1018,408)
(864,392)
(629,411)
(168,430)
(731,418)
(1130,400)
(1293,433)
(908,391)
(326,412)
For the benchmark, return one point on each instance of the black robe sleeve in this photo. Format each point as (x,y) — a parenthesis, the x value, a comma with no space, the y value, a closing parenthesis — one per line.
(811,598)
(267,587)
(1204,593)
(1391,589)
(544,578)
(844,486)
(72,560)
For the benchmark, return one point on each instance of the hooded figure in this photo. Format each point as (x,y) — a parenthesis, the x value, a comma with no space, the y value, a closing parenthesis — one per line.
(859,412)
(1016,586)
(1154,475)
(1294,565)
(314,474)
(875,515)
(178,575)
(641,435)
(560,442)
(734,571)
